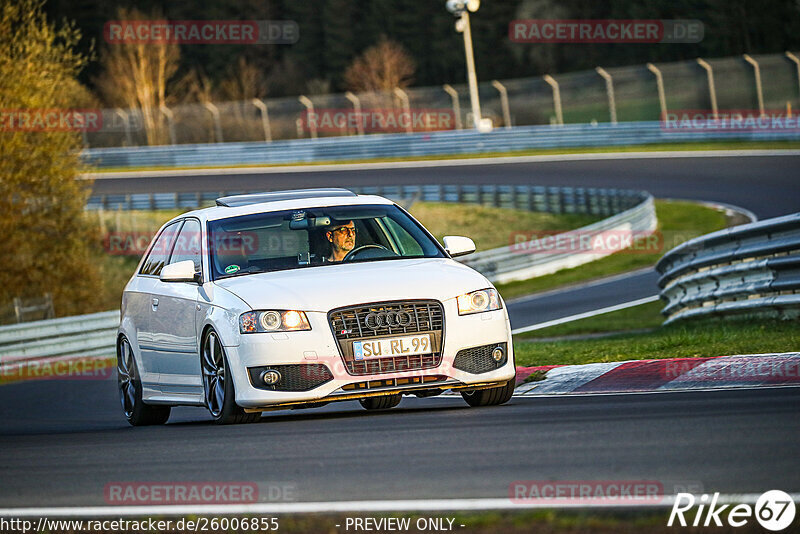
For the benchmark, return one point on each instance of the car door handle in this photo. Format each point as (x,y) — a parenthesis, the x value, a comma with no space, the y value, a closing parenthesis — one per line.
(155,303)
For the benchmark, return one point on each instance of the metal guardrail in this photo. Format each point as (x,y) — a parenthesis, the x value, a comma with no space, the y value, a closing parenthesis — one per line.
(519,262)
(91,335)
(558,200)
(413,145)
(752,269)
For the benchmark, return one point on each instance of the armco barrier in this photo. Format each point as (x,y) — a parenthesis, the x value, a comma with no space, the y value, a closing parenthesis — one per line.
(752,269)
(559,200)
(89,336)
(626,211)
(414,145)
(510,263)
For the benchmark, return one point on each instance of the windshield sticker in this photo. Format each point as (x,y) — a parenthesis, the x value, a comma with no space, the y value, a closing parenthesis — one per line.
(230,269)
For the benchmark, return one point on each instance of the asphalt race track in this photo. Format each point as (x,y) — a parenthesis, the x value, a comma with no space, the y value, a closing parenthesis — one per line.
(766,185)
(543,307)
(62,441)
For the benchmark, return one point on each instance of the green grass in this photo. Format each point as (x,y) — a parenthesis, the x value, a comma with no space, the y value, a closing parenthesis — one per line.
(634,318)
(490,227)
(677,222)
(701,338)
(716,145)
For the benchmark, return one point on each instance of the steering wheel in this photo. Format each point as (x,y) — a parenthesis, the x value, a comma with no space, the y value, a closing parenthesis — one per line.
(358,250)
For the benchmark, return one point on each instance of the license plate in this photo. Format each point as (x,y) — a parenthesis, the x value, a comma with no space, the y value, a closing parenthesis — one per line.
(392,346)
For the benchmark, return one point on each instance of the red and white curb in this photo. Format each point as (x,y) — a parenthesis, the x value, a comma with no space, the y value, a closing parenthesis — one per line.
(677,374)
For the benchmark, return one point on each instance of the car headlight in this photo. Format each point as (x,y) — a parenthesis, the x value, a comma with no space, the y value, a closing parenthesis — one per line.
(479,301)
(273,321)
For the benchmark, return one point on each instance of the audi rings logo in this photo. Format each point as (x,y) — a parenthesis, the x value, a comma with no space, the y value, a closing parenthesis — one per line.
(376,320)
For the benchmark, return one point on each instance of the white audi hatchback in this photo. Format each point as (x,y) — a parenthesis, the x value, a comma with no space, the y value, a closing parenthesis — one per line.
(293,299)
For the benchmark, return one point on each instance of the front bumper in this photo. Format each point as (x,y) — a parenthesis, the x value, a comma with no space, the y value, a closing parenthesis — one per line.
(319,347)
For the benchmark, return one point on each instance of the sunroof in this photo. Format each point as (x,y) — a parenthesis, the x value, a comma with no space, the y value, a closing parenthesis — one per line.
(274,196)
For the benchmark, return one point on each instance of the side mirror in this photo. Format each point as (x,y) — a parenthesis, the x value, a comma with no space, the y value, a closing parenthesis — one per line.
(183,271)
(458,246)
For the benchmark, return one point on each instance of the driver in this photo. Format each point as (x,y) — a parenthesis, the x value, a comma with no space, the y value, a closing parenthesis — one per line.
(342,238)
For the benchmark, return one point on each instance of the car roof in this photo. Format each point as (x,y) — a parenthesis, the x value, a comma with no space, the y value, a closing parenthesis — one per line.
(222,212)
(274,196)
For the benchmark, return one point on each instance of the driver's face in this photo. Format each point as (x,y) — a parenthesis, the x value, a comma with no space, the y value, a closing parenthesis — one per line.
(343,237)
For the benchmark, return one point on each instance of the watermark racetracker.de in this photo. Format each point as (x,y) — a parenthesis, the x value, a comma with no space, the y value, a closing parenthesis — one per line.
(379,119)
(68,120)
(730,120)
(75,368)
(586,242)
(194,493)
(587,31)
(124,243)
(159,32)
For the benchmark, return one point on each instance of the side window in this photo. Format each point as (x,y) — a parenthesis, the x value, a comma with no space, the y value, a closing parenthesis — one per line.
(408,245)
(159,254)
(188,244)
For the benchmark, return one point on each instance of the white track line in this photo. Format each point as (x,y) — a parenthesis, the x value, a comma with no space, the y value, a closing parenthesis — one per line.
(430,505)
(531,394)
(288,168)
(585,315)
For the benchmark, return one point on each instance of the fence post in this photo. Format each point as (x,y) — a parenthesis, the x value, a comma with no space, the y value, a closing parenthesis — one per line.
(712,91)
(50,311)
(215,115)
(556,98)
(403,96)
(612,104)
(357,108)
(796,61)
(312,125)
(262,107)
(124,114)
(503,102)
(170,116)
(759,92)
(456,104)
(662,99)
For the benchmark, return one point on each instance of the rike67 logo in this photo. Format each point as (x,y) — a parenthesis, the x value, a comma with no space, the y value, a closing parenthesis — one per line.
(774,511)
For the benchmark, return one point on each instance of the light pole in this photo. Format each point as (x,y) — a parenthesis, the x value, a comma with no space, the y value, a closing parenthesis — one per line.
(461,9)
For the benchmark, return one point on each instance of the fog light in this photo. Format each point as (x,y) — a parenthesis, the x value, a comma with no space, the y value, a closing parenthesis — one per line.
(498,354)
(270,377)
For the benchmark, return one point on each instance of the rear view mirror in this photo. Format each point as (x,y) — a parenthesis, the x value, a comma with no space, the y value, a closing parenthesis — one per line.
(183,271)
(458,246)
(308,223)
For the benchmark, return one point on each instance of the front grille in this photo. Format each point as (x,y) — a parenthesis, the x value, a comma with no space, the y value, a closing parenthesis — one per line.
(394,364)
(421,316)
(477,360)
(294,377)
(349,323)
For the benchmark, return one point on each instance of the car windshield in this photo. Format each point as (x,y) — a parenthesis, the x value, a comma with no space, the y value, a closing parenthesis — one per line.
(314,237)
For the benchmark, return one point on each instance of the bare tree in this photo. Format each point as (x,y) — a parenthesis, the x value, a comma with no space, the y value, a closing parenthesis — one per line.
(244,82)
(381,67)
(136,75)
(194,86)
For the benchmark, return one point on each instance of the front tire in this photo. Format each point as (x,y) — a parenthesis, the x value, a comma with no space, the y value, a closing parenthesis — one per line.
(130,391)
(380,403)
(220,394)
(490,396)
